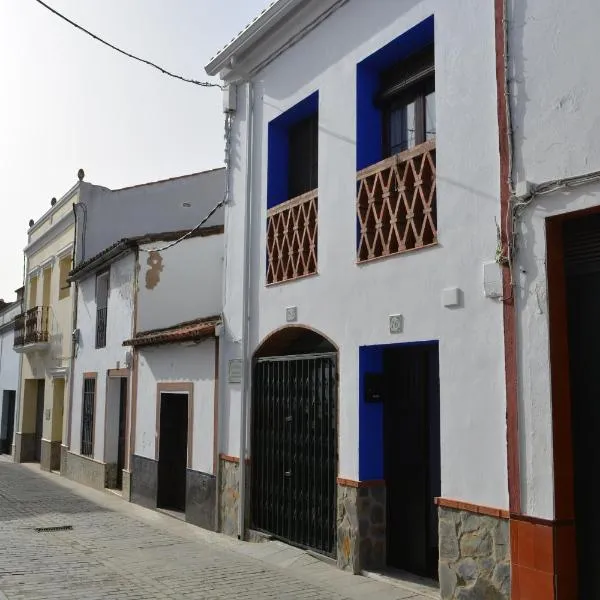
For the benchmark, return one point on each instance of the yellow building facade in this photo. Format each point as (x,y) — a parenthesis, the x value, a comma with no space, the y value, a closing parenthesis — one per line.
(43,335)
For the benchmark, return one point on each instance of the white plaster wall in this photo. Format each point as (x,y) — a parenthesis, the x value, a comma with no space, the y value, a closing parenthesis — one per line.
(9,359)
(189,283)
(351,304)
(100,360)
(152,208)
(178,363)
(556,134)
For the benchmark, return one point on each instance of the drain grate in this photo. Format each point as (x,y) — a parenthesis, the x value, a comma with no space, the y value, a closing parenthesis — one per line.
(51,529)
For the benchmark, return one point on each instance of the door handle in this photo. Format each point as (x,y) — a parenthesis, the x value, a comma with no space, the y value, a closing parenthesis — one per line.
(288,473)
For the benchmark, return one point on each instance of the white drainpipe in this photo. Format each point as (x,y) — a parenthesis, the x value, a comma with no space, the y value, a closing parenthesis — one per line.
(246,358)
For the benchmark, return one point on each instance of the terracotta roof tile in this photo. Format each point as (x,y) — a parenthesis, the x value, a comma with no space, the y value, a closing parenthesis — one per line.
(184,332)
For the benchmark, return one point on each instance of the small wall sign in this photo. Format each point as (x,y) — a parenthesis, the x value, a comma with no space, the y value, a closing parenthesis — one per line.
(235,371)
(291,314)
(396,324)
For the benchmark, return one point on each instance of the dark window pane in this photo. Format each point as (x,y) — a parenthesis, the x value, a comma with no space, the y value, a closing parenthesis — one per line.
(407,99)
(403,126)
(430,116)
(303,157)
(102,291)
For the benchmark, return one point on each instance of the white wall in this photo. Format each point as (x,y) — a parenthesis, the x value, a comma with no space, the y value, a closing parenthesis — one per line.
(177,363)
(92,359)
(189,284)
(9,359)
(555,117)
(151,208)
(351,304)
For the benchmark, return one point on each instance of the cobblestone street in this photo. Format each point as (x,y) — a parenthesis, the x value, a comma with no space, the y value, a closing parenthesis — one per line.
(119,550)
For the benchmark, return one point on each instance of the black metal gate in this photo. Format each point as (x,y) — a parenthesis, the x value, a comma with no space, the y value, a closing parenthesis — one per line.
(294,449)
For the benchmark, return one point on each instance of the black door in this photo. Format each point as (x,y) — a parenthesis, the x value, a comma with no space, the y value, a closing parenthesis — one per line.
(122,432)
(412,457)
(294,449)
(39,420)
(172,451)
(582,270)
(7,421)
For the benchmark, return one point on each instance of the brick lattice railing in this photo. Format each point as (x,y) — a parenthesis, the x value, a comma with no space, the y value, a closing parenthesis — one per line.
(396,204)
(292,231)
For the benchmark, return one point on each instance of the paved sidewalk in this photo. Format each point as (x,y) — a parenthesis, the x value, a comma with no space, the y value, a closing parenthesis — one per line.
(119,550)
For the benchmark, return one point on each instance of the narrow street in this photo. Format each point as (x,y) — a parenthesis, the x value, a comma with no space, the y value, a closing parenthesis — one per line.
(112,549)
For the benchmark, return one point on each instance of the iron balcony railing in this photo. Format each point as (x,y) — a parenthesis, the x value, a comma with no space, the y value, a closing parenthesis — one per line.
(31,327)
(396,204)
(19,330)
(292,235)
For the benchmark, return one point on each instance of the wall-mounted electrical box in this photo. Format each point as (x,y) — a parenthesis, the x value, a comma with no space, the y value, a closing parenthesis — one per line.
(230,99)
(492,280)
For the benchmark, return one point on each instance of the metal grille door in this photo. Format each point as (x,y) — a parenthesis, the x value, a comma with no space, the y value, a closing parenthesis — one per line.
(294,450)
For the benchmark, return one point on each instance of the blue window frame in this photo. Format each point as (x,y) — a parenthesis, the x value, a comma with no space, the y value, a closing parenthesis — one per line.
(377,78)
(292,167)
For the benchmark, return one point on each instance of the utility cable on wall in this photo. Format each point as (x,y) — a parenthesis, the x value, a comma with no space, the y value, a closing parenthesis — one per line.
(517,204)
(207,84)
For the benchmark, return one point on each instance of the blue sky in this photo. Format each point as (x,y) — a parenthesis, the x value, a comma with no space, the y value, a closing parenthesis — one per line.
(67,102)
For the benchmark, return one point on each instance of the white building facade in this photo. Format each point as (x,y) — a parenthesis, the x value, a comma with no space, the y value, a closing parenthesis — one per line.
(9,372)
(552,330)
(364,298)
(176,373)
(130,289)
(97,454)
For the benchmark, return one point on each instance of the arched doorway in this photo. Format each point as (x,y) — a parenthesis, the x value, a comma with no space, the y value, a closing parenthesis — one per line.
(294,439)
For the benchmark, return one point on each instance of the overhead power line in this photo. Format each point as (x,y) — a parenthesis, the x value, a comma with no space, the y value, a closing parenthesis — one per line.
(207,84)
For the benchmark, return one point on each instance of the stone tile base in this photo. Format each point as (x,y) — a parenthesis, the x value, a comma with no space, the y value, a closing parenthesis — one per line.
(24,447)
(474,556)
(144,481)
(361,536)
(200,499)
(86,471)
(63,459)
(50,456)
(126,485)
(229,495)
(111,475)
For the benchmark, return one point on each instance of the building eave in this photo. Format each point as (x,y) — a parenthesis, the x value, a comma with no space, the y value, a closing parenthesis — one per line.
(190,331)
(126,245)
(256,30)
(65,198)
(105,257)
(57,229)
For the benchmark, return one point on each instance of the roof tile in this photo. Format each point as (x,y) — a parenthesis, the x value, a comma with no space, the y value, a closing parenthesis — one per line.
(184,332)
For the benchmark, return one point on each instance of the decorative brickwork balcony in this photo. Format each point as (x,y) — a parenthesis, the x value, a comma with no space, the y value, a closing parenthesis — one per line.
(292,230)
(396,204)
(31,330)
